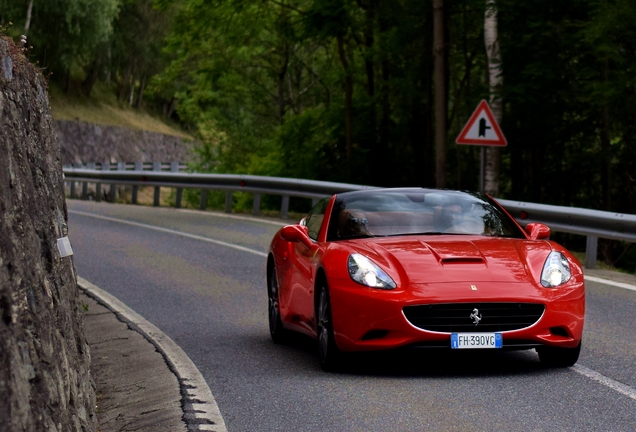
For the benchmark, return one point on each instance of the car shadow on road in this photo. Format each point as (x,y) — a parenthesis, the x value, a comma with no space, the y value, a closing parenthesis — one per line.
(424,362)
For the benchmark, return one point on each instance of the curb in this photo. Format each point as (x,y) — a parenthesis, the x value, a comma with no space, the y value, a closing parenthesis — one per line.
(200,411)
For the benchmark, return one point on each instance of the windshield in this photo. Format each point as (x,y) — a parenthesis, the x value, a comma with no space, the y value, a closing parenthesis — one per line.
(392,212)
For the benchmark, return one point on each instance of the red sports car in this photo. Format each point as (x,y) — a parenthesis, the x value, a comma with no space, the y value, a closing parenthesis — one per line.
(387,268)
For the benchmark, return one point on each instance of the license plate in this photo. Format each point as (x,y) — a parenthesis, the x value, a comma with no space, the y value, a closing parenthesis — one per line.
(476,340)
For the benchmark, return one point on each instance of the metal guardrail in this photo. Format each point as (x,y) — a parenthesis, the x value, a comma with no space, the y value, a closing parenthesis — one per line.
(136,166)
(574,220)
(258,185)
(593,224)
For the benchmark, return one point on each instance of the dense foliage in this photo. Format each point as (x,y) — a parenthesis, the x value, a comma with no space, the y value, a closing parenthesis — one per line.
(267,84)
(343,89)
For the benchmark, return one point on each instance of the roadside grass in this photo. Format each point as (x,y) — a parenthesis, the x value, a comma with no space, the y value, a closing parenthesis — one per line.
(102,107)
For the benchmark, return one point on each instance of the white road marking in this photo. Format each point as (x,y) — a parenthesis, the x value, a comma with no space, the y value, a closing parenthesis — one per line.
(609,282)
(169,231)
(613,384)
(592,374)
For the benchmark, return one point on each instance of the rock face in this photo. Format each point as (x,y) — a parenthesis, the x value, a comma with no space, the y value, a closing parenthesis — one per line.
(83,142)
(45,382)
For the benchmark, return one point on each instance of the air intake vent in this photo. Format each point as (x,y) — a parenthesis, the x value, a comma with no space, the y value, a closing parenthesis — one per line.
(462,260)
(456,317)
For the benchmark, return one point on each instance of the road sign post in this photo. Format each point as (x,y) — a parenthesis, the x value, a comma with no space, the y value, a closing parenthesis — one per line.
(483,130)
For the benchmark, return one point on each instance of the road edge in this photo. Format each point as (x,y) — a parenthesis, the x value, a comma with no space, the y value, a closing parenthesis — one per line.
(610,282)
(198,403)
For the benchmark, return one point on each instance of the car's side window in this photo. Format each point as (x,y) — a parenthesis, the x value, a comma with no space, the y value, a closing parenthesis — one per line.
(313,221)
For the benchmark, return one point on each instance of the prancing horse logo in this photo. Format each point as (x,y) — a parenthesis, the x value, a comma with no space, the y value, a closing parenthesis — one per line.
(475,316)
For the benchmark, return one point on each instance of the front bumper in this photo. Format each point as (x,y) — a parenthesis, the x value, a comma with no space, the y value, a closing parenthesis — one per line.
(372,319)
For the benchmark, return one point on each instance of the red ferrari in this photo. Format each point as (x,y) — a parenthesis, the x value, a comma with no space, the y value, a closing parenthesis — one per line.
(387,268)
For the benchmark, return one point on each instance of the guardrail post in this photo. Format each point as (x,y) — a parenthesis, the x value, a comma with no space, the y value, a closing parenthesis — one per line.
(98,191)
(72,190)
(156,166)
(203,203)
(139,166)
(256,208)
(228,201)
(90,165)
(98,186)
(74,184)
(284,207)
(174,167)
(590,252)
(121,166)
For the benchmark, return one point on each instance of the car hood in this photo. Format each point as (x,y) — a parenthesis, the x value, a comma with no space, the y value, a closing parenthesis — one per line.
(428,259)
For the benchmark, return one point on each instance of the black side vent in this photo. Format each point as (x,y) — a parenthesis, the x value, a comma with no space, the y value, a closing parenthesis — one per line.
(375,334)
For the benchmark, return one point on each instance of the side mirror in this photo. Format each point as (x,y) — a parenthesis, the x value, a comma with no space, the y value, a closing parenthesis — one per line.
(538,231)
(296,233)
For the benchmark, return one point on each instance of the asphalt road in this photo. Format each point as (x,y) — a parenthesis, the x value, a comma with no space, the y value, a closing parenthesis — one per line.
(206,290)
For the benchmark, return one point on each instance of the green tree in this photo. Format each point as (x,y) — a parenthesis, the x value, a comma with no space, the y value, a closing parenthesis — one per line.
(64,33)
(240,66)
(134,52)
(608,89)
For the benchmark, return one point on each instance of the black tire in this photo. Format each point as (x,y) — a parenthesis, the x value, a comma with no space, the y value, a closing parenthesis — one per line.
(276,330)
(559,357)
(330,354)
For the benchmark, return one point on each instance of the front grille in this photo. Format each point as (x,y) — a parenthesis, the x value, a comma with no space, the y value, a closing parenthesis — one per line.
(456,317)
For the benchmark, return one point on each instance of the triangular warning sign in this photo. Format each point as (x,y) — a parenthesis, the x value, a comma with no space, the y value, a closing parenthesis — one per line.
(482,129)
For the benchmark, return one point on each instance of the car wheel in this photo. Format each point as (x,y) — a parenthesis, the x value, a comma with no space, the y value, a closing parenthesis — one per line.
(330,355)
(559,357)
(276,330)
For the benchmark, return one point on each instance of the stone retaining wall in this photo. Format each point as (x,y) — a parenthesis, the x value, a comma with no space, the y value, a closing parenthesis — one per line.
(83,142)
(45,382)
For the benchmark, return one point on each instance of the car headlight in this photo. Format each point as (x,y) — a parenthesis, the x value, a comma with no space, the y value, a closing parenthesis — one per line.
(365,272)
(556,270)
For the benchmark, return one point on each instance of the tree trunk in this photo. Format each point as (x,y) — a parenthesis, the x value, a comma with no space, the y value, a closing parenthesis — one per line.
(281,87)
(109,65)
(131,95)
(27,24)
(376,151)
(427,155)
(140,93)
(369,40)
(606,149)
(348,98)
(168,108)
(124,84)
(491,36)
(91,77)
(440,93)
(606,159)
(382,156)
(67,81)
